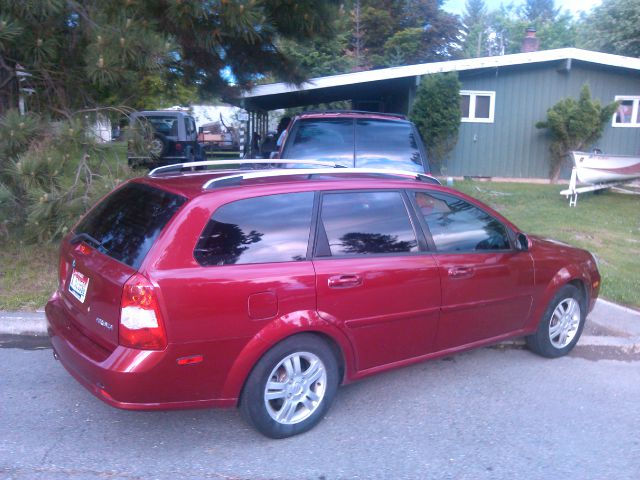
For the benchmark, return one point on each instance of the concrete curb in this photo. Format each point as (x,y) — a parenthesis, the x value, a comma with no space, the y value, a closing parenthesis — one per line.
(608,325)
(23,323)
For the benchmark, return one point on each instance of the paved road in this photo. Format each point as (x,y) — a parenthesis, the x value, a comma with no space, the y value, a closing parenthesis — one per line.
(489,414)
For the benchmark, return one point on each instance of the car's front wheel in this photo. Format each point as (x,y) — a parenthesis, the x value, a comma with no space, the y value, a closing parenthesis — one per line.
(292,387)
(561,325)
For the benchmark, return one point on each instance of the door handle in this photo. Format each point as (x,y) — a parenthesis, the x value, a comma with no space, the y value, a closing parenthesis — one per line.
(344,281)
(460,272)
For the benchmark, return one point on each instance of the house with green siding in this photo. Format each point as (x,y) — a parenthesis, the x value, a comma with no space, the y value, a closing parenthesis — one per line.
(502,98)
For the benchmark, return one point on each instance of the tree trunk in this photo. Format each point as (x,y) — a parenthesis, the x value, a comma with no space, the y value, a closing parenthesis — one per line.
(8,88)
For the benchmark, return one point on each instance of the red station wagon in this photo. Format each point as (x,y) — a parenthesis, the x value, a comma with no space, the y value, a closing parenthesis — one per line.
(266,289)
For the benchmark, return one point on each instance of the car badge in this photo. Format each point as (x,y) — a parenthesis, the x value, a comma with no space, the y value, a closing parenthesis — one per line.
(104,323)
(73,263)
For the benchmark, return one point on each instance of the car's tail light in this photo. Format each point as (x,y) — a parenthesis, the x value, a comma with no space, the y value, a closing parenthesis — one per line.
(178,147)
(140,320)
(62,271)
(83,248)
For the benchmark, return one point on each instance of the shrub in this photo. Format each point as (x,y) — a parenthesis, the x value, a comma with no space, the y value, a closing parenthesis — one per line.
(436,113)
(574,125)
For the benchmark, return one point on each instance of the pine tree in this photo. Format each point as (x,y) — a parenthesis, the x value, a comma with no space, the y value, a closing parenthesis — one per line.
(82,53)
(539,11)
(475,29)
(321,56)
(404,32)
(76,60)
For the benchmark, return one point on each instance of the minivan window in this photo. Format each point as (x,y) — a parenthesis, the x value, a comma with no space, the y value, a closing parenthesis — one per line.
(126,223)
(366,223)
(273,228)
(329,139)
(458,226)
(387,144)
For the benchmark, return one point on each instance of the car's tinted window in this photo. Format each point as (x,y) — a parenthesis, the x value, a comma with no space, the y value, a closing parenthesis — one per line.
(127,222)
(387,144)
(458,226)
(272,228)
(366,223)
(166,125)
(329,139)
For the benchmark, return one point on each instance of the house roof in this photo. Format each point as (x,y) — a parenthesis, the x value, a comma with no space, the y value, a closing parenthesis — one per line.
(253,97)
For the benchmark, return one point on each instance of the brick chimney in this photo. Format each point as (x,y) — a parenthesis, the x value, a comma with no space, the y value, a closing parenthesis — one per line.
(530,42)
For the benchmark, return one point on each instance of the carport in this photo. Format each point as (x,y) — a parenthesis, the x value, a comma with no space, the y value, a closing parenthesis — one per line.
(375,91)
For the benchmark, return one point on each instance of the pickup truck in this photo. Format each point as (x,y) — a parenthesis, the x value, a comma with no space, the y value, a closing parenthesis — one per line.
(355,139)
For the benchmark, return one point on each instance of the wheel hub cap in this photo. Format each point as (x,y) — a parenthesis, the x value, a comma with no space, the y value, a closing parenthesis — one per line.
(564,323)
(295,388)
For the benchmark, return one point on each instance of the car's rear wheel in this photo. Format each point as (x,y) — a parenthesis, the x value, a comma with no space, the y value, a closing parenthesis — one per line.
(291,388)
(561,325)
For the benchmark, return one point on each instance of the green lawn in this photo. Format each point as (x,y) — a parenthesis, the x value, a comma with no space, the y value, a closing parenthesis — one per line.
(28,275)
(607,224)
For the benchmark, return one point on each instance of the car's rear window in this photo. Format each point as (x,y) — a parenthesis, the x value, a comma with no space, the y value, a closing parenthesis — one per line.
(375,143)
(125,225)
(166,125)
(387,144)
(329,139)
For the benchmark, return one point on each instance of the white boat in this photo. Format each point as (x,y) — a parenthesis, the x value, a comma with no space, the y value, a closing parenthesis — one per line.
(598,171)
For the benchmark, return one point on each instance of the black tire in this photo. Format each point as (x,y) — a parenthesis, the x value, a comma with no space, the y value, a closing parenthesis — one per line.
(200,153)
(189,154)
(303,399)
(561,325)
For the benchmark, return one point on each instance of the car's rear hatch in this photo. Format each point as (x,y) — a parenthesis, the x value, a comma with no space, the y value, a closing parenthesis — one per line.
(105,249)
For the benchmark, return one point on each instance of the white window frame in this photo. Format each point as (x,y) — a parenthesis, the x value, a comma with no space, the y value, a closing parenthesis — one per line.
(634,112)
(472,105)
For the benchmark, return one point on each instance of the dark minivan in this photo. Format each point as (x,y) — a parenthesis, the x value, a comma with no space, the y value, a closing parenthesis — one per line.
(356,139)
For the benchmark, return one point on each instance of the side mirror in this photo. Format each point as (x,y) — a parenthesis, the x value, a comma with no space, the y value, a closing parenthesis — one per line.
(522,242)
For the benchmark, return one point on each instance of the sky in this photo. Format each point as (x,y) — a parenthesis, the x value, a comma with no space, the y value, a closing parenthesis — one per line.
(574,6)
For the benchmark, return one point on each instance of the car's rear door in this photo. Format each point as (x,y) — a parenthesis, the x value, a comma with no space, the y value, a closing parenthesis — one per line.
(486,284)
(105,250)
(249,268)
(373,278)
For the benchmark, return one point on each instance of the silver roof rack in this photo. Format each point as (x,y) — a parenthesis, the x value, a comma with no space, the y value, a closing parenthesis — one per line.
(208,163)
(235,179)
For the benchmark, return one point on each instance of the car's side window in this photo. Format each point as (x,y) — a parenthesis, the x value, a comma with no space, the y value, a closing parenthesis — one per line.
(273,228)
(458,226)
(365,223)
(190,126)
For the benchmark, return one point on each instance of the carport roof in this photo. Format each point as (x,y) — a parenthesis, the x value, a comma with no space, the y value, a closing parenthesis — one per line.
(340,87)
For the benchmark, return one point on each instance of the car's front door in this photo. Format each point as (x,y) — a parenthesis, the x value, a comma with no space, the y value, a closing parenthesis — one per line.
(372,279)
(486,284)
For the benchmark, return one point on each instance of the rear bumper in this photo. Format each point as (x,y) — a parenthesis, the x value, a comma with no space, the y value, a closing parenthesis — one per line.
(128,378)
